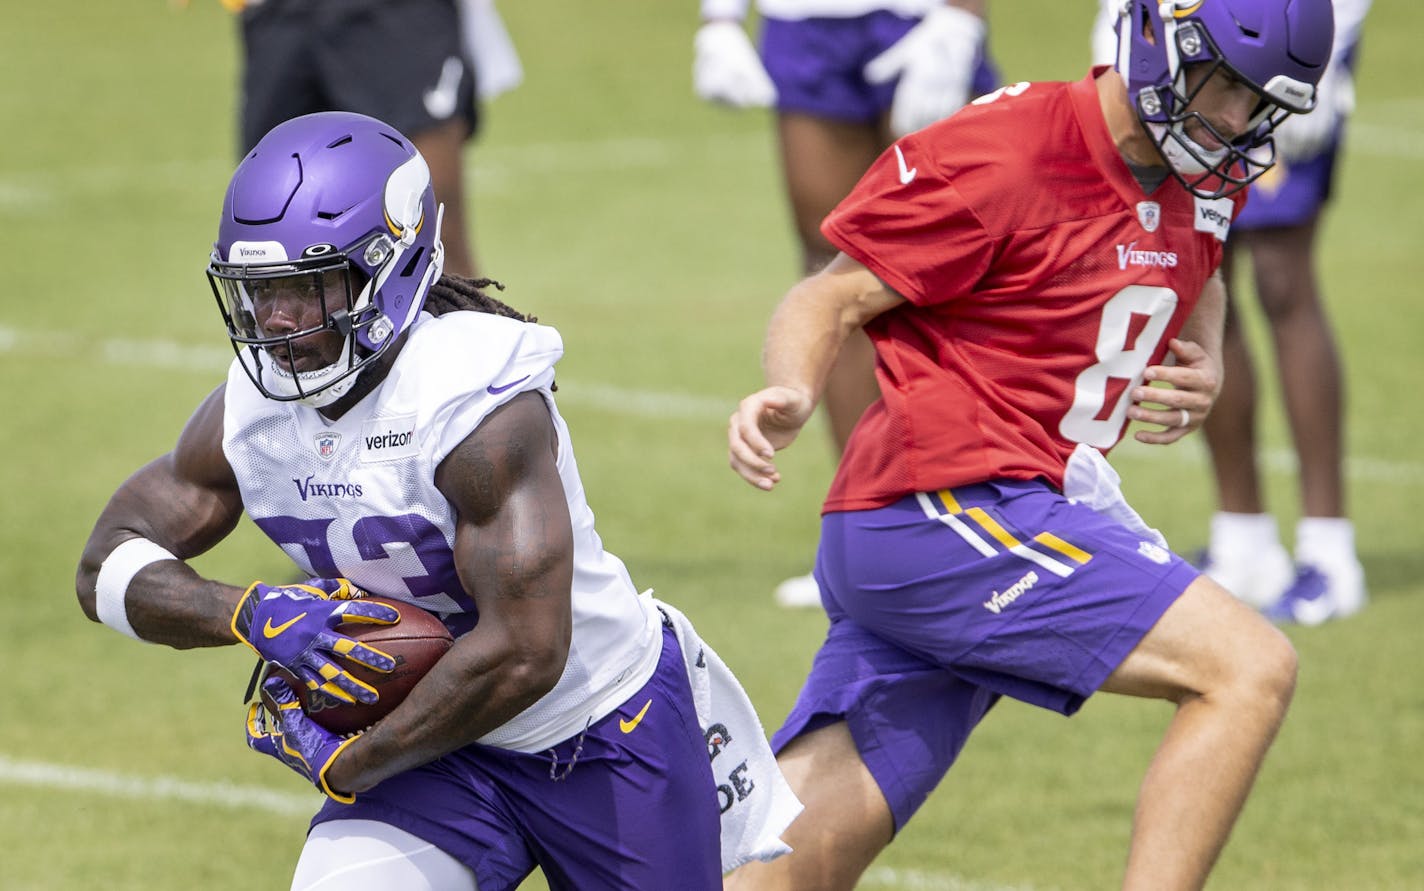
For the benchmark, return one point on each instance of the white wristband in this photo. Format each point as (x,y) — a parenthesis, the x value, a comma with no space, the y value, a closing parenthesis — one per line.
(115,573)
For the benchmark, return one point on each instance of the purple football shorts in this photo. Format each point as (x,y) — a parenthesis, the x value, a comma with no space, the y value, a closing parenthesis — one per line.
(816,64)
(1293,193)
(608,809)
(1290,193)
(942,602)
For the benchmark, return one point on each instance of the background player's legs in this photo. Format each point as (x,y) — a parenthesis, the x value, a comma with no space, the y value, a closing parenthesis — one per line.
(821,161)
(846,823)
(441,145)
(1244,552)
(1231,675)
(1283,261)
(1311,384)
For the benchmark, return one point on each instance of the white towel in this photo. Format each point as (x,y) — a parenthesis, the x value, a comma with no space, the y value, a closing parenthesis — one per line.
(1090,479)
(497,67)
(757,804)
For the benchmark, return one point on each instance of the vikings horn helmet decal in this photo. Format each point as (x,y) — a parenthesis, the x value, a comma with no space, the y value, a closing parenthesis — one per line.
(332,207)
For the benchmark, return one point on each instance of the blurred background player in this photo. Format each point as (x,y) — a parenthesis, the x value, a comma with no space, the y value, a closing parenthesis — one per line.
(416,64)
(846,78)
(1277,233)
(395,430)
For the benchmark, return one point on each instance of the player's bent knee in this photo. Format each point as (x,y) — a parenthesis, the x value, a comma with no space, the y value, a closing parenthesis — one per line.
(1271,670)
(365,855)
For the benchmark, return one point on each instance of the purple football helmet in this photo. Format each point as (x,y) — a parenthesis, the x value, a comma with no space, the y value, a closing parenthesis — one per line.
(1278,48)
(335,207)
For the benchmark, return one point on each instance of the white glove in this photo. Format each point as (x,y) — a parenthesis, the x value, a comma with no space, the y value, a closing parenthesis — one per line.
(1304,136)
(935,64)
(726,68)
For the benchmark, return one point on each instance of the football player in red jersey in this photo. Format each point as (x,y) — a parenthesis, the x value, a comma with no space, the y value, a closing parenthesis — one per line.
(1027,271)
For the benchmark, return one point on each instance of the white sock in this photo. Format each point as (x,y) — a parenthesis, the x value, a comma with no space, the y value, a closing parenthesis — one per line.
(1325,538)
(1235,534)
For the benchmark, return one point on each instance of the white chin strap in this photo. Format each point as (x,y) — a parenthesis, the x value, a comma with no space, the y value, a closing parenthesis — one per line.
(283,383)
(1174,143)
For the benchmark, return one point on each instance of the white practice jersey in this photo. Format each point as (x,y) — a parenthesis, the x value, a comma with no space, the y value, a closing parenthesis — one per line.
(356,498)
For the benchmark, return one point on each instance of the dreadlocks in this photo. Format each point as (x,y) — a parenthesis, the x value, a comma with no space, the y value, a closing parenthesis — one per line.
(455,292)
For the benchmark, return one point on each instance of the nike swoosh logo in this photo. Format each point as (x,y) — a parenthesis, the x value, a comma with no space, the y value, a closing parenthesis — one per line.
(440,99)
(906,173)
(628,726)
(496,390)
(269,631)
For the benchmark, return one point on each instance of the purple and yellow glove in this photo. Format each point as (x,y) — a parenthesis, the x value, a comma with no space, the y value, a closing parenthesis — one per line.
(277,726)
(292,626)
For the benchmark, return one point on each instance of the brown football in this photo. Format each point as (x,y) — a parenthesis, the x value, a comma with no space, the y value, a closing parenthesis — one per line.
(416,642)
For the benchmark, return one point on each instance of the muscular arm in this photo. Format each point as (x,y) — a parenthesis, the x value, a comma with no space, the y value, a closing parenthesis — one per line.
(185,501)
(806,332)
(514,553)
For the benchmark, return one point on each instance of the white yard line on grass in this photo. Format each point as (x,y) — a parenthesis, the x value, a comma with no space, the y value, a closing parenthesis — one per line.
(161,788)
(1375,130)
(231,796)
(922,880)
(611,398)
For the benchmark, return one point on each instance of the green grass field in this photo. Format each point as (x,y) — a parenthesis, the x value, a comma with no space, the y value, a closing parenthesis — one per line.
(651,230)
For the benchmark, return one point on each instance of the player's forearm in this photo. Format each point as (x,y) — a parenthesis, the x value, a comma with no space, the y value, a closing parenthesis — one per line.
(803,338)
(1206,324)
(164,602)
(483,682)
(132,576)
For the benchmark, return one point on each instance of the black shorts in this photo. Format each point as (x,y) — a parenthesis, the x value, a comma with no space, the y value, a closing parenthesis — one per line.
(400,61)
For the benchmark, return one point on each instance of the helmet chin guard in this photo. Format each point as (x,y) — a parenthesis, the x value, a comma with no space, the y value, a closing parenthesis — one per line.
(333,212)
(1278,48)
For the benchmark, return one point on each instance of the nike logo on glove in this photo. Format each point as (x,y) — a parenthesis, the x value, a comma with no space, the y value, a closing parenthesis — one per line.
(269,631)
(629,726)
(906,173)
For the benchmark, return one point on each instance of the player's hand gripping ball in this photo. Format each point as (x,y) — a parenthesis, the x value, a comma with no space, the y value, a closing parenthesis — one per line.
(294,627)
(276,726)
(414,643)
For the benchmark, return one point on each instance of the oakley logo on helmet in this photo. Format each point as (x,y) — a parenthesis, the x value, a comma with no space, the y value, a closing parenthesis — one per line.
(319,250)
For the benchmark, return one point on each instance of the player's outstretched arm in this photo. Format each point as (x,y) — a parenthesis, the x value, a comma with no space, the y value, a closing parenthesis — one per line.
(802,340)
(514,555)
(131,574)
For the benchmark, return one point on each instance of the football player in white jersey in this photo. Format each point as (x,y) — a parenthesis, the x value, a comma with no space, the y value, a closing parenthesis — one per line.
(406,448)
(846,77)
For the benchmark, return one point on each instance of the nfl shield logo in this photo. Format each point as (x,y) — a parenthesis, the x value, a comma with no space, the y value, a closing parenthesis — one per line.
(326,444)
(1149,214)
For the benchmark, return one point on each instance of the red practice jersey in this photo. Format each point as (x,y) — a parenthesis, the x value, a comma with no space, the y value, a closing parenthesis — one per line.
(1041,280)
